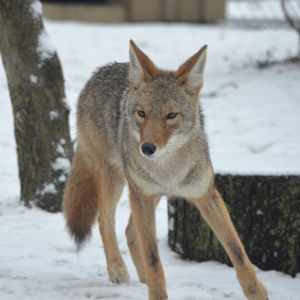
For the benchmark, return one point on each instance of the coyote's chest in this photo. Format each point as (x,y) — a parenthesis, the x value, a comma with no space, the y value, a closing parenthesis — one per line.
(177,183)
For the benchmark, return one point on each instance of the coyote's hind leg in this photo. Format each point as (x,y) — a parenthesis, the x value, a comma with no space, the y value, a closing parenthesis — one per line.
(215,213)
(110,187)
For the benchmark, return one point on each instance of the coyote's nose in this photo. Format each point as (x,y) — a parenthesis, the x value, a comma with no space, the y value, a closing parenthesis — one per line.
(148,149)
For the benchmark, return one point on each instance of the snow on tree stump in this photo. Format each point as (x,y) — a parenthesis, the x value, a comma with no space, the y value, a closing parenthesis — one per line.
(265,211)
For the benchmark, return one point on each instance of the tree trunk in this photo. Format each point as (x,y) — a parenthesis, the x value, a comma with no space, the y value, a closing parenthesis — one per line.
(36,87)
(266,213)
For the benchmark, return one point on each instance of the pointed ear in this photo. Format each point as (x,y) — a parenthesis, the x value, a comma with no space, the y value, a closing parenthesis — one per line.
(141,68)
(190,75)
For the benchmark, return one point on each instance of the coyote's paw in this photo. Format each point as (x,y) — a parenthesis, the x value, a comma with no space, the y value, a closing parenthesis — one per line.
(119,275)
(256,291)
(158,293)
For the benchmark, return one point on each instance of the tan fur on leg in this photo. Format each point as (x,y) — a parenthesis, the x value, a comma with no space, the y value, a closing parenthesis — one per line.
(215,213)
(110,188)
(143,213)
(135,250)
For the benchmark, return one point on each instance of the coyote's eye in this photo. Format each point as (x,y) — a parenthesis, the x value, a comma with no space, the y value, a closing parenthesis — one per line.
(141,113)
(172,115)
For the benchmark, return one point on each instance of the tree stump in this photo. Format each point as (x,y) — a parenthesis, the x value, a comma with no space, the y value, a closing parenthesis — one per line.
(265,211)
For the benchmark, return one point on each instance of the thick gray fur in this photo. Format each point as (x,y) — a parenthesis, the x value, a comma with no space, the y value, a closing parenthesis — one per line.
(106,101)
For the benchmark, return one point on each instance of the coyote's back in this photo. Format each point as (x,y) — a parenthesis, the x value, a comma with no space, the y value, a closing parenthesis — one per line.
(99,106)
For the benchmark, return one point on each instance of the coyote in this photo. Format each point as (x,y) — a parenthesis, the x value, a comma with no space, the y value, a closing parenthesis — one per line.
(143,125)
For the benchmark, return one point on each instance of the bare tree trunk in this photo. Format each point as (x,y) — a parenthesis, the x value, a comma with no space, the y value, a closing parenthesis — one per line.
(36,87)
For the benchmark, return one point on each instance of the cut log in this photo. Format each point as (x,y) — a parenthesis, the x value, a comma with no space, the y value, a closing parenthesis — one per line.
(265,211)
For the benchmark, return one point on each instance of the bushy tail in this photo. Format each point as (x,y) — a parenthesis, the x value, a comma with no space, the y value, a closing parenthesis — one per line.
(80,203)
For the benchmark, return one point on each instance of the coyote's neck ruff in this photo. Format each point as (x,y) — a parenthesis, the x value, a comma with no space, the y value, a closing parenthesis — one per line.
(139,124)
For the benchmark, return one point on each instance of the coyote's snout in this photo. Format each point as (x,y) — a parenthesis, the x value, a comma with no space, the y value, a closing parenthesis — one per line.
(148,150)
(143,125)
(155,131)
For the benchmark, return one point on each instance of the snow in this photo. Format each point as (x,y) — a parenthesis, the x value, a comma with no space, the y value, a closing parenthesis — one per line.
(33,79)
(45,47)
(53,115)
(36,9)
(62,178)
(18,116)
(66,103)
(171,208)
(60,149)
(266,10)
(62,163)
(259,212)
(252,122)
(39,261)
(171,224)
(49,189)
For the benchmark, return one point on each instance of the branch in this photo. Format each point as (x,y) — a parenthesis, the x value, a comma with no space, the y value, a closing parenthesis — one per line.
(289,18)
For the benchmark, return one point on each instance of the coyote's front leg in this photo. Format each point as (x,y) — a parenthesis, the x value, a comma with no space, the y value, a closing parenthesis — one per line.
(135,250)
(143,213)
(215,213)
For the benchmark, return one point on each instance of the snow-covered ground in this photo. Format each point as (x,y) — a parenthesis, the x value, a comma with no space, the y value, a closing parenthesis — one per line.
(261,10)
(253,125)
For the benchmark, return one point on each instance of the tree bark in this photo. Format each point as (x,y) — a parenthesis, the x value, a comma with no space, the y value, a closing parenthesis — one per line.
(266,213)
(36,87)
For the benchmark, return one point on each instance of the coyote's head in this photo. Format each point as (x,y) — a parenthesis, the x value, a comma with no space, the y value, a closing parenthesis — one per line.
(163,106)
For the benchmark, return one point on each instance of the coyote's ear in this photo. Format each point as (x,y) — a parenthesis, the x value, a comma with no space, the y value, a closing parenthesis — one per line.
(190,74)
(142,68)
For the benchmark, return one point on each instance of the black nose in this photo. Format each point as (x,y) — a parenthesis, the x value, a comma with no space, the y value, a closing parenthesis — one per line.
(148,149)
